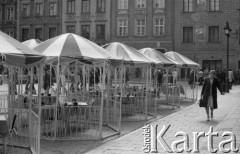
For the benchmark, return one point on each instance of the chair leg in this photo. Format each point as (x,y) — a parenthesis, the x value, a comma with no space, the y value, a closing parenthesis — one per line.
(4,146)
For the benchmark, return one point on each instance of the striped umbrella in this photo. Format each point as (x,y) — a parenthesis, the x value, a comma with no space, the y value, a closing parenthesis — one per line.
(73,46)
(14,53)
(184,61)
(129,54)
(32,43)
(163,60)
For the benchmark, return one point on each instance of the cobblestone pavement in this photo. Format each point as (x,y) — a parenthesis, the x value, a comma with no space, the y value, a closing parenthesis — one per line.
(190,119)
(15,150)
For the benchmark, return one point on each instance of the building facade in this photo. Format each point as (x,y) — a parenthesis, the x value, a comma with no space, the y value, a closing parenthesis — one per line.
(87,18)
(199,32)
(39,19)
(143,23)
(8,17)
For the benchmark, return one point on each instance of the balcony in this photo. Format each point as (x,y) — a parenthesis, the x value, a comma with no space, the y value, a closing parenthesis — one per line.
(70,16)
(101,16)
(122,11)
(85,16)
(140,11)
(159,11)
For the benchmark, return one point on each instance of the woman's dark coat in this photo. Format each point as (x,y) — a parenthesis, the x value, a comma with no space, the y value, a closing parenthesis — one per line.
(206,91)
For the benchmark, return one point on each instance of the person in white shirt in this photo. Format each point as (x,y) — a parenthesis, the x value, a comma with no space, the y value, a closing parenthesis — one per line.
(175,75)
(231,78)
(52,91)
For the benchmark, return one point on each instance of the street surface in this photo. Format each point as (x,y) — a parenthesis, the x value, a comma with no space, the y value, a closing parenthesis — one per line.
(190,119)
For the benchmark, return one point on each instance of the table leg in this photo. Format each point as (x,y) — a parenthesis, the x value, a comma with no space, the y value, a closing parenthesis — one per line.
(4,146)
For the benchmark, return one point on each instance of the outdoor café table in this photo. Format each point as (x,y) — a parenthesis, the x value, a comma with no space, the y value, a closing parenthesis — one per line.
(72,114)
(3,129)
(126,99)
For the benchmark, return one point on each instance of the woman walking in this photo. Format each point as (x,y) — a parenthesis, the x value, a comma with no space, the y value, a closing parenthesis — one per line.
(209,93)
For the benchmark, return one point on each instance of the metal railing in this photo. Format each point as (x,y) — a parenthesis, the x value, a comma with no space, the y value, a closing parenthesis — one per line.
(26,126)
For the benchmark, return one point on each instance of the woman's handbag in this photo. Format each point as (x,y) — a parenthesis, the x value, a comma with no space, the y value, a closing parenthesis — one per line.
(201,103)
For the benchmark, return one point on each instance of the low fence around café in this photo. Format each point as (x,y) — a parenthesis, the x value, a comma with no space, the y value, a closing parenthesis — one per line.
(167,97)
(72,122)
(26,128)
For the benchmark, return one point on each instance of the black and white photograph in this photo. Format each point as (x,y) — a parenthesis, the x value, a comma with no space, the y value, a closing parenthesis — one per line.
(119,76)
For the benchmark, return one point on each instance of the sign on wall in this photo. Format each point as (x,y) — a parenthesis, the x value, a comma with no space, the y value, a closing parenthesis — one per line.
(200,33)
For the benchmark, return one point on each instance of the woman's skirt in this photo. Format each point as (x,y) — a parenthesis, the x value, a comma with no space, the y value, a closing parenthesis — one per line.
(210,101)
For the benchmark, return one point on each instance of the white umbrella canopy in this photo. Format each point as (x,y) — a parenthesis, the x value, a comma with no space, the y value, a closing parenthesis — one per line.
(32,43)
(16,54)
(129,54)
(73,46)
(163,60)
(184,61)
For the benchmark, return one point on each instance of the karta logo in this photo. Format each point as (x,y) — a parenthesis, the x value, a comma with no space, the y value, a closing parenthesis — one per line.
(152,138)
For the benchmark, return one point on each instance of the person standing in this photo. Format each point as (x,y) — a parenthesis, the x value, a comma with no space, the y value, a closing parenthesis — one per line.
(231,78)
(200,78)
(192,79)
(175,75)
(209,93)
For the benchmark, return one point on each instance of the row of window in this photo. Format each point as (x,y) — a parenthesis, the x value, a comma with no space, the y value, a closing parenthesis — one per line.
(26,9)
(188,5)
(213,34)
(85,31)
(140,30)
(101,6)
(38,33)
(123,4)
(140,27)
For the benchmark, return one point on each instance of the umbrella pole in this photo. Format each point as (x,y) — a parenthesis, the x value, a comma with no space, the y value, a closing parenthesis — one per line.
(121,95)
(115,90)
(84,81)
(68,70)
(146,94)
(30,107)
(94,80)
(102,101)
(40,80)
(88,81)
(194,84)
(50,67)
(167,87)
(75,79)
(57,100)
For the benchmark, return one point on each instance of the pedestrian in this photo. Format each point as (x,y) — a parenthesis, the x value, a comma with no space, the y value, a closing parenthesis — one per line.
(222,80)
(175,75)
(238,77)
(192,79)
(209,93)
(231,78)
(200,78)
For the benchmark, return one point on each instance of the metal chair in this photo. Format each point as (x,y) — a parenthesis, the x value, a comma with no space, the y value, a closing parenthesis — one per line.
(12,130)
(9,133)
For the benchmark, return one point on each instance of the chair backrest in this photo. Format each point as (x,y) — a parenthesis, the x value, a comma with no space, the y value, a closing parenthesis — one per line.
(13,122)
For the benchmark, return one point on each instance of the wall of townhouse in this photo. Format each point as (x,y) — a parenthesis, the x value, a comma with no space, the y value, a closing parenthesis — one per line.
(93,18)
(204,50)
(149,40)
(45,22)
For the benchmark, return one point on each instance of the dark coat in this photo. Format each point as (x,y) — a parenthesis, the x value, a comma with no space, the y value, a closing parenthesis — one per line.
(206,91)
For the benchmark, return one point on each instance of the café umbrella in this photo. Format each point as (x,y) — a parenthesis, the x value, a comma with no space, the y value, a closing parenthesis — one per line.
(74,47)
(130,55)
(16,54)
(184,61)
(164,61)
(32,43)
